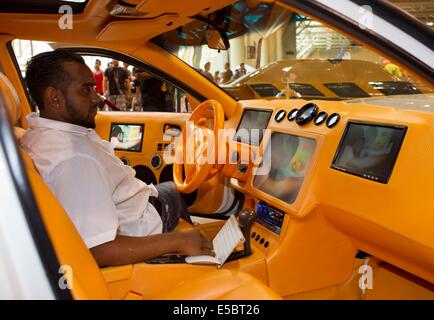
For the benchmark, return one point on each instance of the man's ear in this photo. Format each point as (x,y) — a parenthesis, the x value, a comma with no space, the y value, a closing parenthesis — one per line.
(54,98)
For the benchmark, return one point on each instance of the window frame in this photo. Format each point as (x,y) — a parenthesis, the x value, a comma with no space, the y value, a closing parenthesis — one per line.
(86,51)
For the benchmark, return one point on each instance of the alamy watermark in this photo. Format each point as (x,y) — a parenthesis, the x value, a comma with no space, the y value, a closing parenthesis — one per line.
(66,279)
(65,22)
(366,278)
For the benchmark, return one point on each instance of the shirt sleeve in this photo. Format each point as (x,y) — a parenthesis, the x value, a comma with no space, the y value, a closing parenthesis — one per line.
(80,185)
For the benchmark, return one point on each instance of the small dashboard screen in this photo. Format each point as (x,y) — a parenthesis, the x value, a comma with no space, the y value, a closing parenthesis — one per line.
(284,166)
(369,150)
(127,137)
(252,125)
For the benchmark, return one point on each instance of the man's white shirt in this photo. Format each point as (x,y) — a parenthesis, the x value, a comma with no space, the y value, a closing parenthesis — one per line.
(100,194)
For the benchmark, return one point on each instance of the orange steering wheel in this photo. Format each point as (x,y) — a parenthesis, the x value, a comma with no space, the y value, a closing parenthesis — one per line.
(196,154)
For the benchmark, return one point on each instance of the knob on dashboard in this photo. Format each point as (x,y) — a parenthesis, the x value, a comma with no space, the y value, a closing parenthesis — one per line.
(306,113)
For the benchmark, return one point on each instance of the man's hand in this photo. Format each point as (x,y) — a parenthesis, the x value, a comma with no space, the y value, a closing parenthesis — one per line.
(193,243)
(125,249)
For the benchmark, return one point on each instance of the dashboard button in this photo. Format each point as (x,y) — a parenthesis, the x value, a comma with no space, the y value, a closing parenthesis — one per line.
(333,120)
(292,114)
(280,115)
(320,118)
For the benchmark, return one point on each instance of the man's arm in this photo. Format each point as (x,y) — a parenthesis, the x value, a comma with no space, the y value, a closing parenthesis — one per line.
(105,86)
(126,250)
(83,188)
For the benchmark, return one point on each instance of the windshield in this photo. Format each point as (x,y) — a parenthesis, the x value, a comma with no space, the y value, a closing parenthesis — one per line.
(277,53)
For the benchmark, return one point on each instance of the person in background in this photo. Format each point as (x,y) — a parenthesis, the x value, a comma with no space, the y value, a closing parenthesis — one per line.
(242,69)
(151,92)
(116,85)
(227,74)
(217,77)
(206,71)
(236,74)
(129,93)
(98,75)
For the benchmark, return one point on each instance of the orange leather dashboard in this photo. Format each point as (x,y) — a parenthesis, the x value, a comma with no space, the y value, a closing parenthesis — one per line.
(391,221)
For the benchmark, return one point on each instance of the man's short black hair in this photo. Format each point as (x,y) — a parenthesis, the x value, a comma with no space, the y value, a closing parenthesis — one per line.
(46,70)
(97,60)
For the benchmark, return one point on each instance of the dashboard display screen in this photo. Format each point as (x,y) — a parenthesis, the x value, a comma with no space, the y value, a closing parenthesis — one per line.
(369,150)
(284,166)
(127,137)
(252,125)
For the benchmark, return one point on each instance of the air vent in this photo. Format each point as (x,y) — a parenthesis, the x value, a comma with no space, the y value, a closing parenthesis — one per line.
(265,89)
(305,89)
(394,87)
(346,90)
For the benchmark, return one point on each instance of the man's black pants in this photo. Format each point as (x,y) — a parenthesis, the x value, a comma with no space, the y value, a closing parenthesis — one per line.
(170,204)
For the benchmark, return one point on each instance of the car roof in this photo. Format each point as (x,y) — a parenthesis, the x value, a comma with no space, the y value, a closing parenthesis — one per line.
(98,22)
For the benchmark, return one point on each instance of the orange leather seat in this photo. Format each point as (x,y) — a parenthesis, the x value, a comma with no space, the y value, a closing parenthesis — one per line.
(87,280)
(221,285)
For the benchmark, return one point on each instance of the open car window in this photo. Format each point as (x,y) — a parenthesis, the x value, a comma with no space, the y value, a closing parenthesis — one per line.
(278,53)
(125,87)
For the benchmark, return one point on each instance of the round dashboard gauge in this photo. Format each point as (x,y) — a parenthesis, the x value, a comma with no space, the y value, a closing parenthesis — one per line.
(306,113)
(320,118)
(332,120)
(280,115)
(292,114)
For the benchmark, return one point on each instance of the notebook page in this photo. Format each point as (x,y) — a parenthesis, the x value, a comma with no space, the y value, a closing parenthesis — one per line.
(224,243)
(227,239)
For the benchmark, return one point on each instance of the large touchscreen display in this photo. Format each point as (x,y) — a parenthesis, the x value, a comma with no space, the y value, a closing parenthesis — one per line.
(252,126)
(284,166)
(369,150)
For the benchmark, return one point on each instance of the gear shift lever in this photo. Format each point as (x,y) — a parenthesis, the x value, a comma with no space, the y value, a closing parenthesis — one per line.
(246,218)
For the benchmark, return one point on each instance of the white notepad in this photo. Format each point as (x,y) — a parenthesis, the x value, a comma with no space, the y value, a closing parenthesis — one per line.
(224,243)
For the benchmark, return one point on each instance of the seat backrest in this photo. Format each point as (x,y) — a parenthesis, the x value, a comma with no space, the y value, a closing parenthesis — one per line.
(86,278)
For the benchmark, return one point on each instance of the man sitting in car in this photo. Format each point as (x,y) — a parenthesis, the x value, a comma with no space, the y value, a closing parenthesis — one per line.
(120,218)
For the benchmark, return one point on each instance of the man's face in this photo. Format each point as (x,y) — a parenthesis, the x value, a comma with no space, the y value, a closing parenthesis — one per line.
(115,63)
(97,64)
(81,99)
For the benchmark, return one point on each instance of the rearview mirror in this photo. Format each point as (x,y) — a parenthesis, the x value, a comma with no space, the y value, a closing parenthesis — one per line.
(217,39)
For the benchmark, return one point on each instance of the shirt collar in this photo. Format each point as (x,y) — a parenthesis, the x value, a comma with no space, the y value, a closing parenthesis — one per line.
(36,121)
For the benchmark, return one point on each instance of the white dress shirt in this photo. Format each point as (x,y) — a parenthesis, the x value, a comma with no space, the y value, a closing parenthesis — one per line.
(100,194)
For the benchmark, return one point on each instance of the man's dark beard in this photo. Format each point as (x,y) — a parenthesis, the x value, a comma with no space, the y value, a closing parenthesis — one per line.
(87,123)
